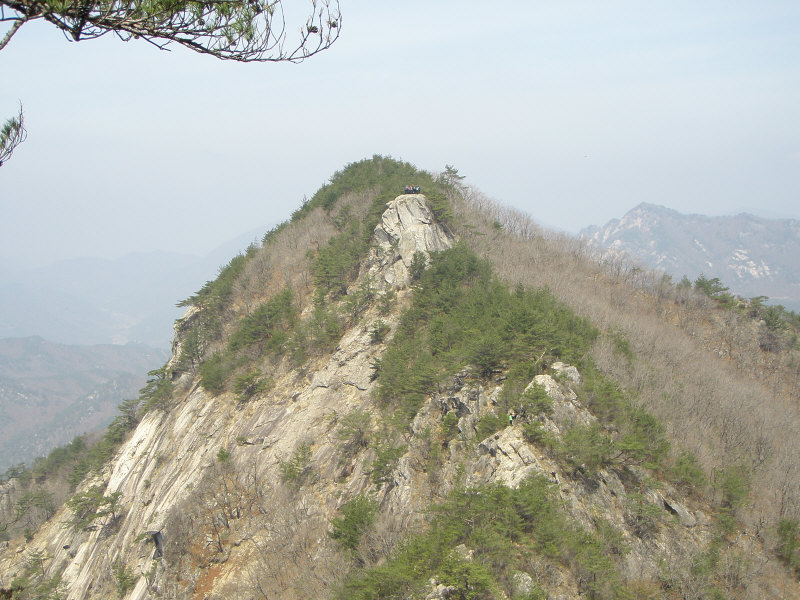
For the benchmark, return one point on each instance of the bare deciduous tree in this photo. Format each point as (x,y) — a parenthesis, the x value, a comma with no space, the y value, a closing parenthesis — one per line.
(699,369)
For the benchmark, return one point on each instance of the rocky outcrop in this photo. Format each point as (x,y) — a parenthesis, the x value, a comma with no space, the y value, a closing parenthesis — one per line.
(408,226)
(166,461)
(507,458)
(277,469)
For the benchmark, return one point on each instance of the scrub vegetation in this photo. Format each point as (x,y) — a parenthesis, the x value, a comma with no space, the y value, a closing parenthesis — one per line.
(685,390)
(504,529)
(337,223)
(462,314)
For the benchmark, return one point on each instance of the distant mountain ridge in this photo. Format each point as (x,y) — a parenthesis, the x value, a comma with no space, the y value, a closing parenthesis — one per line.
(77,337)
(751,255)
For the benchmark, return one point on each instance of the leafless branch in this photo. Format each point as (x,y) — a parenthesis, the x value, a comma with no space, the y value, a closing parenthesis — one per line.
(247,31)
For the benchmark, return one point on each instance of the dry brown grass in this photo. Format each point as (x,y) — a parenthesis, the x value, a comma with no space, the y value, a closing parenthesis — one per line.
(698,368)
(284,261)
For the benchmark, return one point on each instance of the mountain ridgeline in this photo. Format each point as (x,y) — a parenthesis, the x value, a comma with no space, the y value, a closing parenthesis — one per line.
(427,396)
(751,255)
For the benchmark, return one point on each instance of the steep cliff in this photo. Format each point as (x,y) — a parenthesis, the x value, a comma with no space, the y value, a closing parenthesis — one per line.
(313,467)
(168,458)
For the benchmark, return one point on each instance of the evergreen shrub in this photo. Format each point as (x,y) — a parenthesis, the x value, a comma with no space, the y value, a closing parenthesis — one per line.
(501,526)
(462,314)
(268,325)
(297,469)
(789,542)
(357,517)
(215,372)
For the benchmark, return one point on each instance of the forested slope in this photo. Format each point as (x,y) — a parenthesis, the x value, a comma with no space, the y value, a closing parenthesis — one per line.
(427,396)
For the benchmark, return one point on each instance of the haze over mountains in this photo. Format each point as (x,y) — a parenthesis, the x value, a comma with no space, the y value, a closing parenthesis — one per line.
(102,301)
(751,255)
(78,337)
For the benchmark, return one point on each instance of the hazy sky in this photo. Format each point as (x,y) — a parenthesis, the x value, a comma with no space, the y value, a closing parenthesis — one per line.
(574,112)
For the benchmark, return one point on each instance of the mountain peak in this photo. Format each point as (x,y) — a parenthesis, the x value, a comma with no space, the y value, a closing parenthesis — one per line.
(360,407)
(751,255)
(652,208)
(407,226)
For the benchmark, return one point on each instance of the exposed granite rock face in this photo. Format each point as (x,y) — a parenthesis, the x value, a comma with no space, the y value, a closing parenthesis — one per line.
(568,371)
(407,226)
(285,548)
(679,510)
(181,328)
(7,490)
(166,458)
(567,410)
(439,591)
(507,458)
(523,584)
